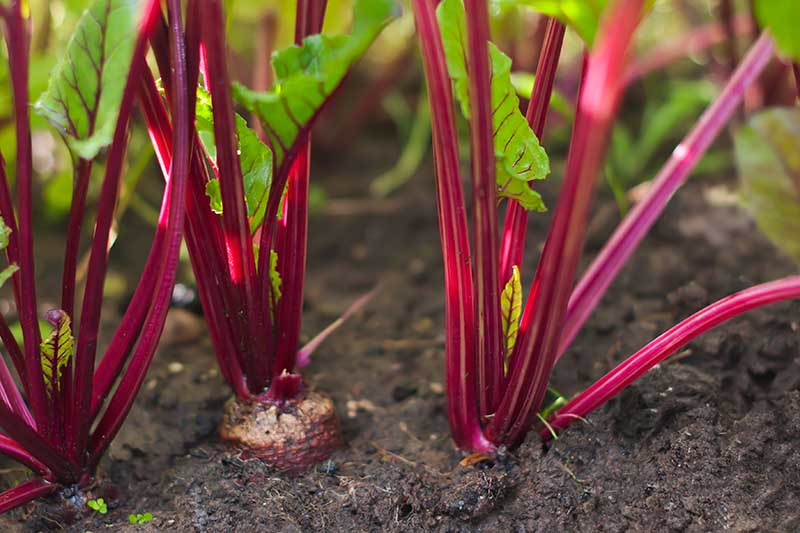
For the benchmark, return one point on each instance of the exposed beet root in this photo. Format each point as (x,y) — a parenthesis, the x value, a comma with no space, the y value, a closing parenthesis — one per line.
(290,437)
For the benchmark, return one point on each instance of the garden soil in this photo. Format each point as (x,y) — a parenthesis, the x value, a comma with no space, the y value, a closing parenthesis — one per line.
(707,441)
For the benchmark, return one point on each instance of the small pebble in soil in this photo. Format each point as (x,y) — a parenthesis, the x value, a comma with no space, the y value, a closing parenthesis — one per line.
(436,388)
(327,467)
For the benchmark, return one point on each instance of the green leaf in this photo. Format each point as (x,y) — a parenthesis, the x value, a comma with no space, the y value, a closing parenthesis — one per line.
(553,400)
(511,309)
(274,275)
(140,518)
(581,15)
(56,350)
(780,17)
(254,156)
(307,75)
(98,505)
(5,233)
(9,271)
(519,157)
(768,157)
(214,195)
(6,273)
(82,98)
(523,84)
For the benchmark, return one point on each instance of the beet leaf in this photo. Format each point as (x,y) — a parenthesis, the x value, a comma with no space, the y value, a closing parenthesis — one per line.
(307,75)
(518,155)
(581,15)
(511,305)
(769,171)
(780,16)
(82,99)
(7,272)
(254,156)
(57,351)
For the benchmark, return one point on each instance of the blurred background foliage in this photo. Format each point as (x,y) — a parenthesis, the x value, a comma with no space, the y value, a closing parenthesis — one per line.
(382,108)
(384,95)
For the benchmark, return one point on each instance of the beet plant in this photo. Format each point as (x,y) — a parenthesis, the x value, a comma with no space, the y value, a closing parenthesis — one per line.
(247,216)
(62,416)
(500,352)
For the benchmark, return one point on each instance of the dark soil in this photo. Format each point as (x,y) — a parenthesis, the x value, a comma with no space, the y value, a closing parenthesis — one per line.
(706,442)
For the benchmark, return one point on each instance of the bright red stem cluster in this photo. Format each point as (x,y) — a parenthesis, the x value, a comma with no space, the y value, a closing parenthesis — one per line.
(55,439)
(255,334)
(488,407)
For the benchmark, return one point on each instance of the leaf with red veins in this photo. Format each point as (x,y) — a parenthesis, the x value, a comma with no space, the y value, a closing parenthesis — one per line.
(83,96)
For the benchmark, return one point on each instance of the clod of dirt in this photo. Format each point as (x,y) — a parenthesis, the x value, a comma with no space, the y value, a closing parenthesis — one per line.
(290,437)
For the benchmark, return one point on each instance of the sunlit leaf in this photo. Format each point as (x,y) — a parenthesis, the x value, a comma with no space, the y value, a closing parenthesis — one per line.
(511,309)
(581,15)
(553,400)
(85,89)
(518,155)
(307,75)
(274,278)
(780,17)
(768,158)
(56,350)
(254,156)
(523,84)
(214,195)
(7,272)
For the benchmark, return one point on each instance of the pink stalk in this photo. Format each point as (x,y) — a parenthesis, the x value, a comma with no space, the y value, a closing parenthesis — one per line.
(206,250)
(241,262)
(14,351)
(86,344)
(292,231)
(125,336)
(516,222)
(641,218)
(79,190)
(304,355)
(61,404)
(18,43)
(796,75)
(535,350)
(667,343)
(172,219)
(484,209)
(63,467)
(291,241)
(25,493)
(460,351)
(10,448)
(204,234)
(11,395)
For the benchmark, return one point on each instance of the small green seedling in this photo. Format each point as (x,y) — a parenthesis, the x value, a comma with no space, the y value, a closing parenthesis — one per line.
(140,518)
(98,505)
